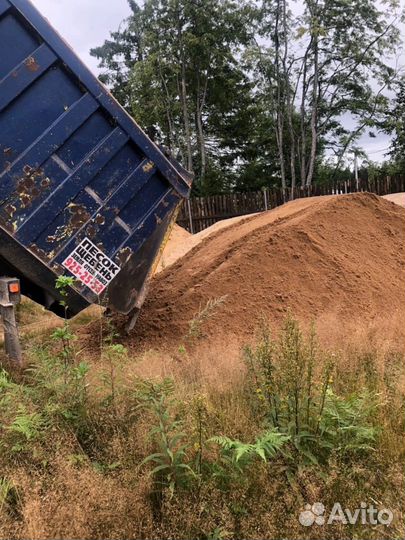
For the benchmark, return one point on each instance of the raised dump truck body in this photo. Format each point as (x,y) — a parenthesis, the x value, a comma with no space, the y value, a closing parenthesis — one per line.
(83,191)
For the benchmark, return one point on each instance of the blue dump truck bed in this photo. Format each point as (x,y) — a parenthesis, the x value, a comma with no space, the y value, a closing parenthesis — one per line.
(83,191)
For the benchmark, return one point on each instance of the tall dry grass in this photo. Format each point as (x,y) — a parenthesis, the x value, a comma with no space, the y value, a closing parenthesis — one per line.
(83,478)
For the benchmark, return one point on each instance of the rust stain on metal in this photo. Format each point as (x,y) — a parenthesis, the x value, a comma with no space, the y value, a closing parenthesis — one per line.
(123,255)
(31,64)
(10,209)
(148,166)
(41,253)
(91,230)
(100,220)
(79,215)
(31,186)
(61,233)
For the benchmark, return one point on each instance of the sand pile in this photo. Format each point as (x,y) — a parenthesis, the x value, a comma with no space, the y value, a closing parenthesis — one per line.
(180,241)
(397,198)
(340,254)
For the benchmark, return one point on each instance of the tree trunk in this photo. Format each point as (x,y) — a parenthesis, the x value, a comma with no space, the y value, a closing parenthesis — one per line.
(183,97)
(303,160)
(200,102)
(186,120)
(280,102)
(314,113)
(289,104)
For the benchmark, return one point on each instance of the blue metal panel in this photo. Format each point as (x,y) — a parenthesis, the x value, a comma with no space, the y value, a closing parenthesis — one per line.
(52,138)
(23,75)
(4,6)
(76,173)
(74,183)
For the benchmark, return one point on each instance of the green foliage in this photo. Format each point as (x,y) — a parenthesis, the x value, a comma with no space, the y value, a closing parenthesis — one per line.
(60,389)
(240,455)
(20,424)
(295,398)
(115,355)
(250,95)
(345,424)
(25,428)
(64,334)
(170,468)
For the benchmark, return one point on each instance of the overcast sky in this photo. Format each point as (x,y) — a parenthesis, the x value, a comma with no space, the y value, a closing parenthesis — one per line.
(87,23)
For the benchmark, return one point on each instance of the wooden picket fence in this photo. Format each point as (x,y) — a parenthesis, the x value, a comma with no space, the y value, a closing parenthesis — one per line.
(201,212)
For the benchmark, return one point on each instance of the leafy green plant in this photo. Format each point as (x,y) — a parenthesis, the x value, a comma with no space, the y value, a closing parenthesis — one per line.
(219,533)
(115,355)
(240,454)
(25,427)
(199,414)
(170,468)
(60,389)
(290,387)
(64,335)
(345,424)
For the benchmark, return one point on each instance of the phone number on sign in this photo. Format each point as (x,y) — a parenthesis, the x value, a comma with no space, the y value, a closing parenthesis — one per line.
(84,276)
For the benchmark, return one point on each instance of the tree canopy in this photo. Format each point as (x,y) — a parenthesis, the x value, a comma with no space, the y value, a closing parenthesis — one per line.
(248,94)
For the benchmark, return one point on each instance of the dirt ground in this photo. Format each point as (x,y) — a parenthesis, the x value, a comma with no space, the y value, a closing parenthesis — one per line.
(337,255)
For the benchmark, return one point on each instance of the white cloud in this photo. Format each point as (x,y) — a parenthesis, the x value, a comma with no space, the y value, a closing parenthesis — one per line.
(84,23)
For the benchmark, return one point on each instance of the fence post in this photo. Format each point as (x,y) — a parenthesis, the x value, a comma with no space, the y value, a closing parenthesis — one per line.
(190,216)
(10,296)
(266,206)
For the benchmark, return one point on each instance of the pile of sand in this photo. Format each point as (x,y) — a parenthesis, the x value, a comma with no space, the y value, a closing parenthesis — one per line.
(338,254)
(180,241)
(397,198)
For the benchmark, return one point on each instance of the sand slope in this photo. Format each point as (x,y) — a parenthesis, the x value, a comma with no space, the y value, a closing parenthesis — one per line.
(397,198)
(341,254)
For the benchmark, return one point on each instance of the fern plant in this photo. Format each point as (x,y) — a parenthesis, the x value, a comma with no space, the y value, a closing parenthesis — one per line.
(25,428)
(345,424)
(291,382)
(240,454)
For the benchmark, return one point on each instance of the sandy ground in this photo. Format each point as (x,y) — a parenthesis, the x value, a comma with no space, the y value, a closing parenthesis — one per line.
(181,241)
(342,255)
(398,198)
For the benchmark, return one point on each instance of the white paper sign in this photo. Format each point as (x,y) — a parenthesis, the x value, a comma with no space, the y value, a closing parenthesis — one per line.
(91,266)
